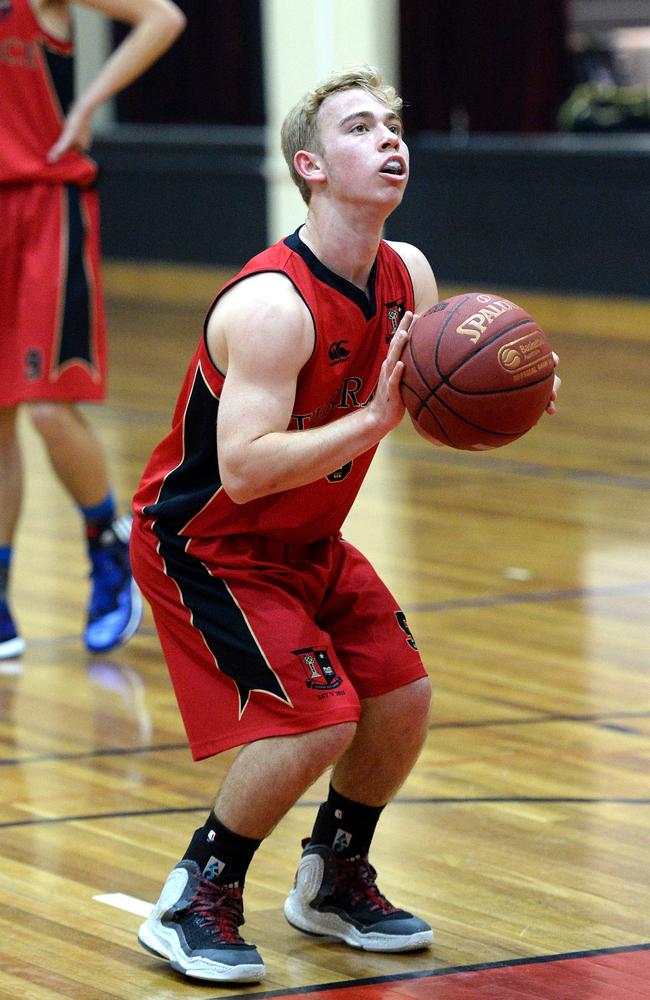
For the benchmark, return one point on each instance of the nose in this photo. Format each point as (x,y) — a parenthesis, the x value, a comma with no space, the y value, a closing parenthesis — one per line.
(389,138)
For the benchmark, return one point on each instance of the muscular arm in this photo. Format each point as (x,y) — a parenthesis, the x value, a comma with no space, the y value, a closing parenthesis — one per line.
(155,25)
(262,333)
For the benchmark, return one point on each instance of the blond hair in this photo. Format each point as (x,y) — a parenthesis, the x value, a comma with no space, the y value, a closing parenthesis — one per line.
(300,127)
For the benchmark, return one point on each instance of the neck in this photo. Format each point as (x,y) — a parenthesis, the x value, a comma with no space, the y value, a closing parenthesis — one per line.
(347,249)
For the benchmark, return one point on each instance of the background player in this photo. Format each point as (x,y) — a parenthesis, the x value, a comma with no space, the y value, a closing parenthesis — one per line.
(52,350)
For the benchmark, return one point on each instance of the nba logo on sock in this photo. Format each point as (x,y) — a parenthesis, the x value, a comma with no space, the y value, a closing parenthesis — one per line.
(342,840)
(214,868)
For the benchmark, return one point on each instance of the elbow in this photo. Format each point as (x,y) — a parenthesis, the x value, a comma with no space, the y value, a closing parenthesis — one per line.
(243,488)
(237,494)
(176,21)
(237,486)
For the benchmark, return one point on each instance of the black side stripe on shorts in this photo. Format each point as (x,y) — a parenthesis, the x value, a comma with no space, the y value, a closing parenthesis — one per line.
(75,335)
(216,614)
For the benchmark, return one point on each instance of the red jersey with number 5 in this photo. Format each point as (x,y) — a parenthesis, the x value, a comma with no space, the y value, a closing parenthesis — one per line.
(36,90)
(181,485)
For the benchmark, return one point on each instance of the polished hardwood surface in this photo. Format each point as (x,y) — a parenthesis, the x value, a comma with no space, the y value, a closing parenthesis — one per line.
(524,830)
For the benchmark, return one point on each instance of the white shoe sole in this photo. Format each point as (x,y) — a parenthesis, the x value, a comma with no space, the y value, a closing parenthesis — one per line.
(12,648)
(303,918)
(165,944)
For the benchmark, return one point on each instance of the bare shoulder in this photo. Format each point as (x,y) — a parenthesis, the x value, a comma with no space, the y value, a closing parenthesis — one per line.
(424,282)
(261,317)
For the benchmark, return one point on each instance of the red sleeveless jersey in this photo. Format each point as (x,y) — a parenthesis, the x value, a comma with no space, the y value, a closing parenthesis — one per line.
(36,88)
(181,487)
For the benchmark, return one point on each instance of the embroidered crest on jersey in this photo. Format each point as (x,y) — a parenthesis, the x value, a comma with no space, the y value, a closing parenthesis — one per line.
(319,672)
(394,312)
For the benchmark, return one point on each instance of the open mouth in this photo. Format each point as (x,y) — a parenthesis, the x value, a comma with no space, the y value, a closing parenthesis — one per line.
(393,167)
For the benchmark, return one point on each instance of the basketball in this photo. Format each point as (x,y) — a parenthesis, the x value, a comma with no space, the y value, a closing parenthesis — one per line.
(478,371)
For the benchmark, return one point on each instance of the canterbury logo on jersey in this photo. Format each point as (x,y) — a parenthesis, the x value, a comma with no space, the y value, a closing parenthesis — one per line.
(338,352)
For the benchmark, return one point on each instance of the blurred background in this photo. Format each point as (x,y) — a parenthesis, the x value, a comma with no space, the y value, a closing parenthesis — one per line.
(528,123)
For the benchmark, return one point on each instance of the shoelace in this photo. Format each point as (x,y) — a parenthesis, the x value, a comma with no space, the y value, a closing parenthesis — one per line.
(356,877)
(220,910)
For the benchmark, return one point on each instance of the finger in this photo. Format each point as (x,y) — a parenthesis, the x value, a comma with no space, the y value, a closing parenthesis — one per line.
(406,320)
(54,153)
(398,343)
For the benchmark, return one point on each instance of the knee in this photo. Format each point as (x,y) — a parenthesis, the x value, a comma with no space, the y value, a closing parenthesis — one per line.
(417,703)
(50,419)
(401,713)
(322,747)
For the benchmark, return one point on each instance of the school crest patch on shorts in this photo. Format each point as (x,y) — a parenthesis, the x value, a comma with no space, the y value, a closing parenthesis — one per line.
(319,672)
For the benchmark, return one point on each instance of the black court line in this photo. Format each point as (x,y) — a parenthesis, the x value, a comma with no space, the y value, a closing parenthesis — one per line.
(457,604)
(531,470)
(90,754)
(436,973)
(599,719)
(539,597)
(424,801)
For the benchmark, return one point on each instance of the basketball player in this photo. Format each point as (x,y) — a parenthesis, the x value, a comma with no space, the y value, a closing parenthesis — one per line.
(279,636)
(52,350)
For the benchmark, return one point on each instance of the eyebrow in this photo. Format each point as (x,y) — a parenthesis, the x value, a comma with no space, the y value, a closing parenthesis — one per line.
(389,116)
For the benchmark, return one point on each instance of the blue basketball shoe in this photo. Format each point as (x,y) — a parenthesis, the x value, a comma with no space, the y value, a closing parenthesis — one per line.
(115,609)
(11,644)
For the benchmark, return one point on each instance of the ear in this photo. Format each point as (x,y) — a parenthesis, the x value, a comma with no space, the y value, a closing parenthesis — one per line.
(308,165)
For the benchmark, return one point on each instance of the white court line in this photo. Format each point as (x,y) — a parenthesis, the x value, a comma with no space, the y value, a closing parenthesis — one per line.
(124,902)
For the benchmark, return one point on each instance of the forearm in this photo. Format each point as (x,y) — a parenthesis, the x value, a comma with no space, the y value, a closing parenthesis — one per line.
(283,460)
(148,39)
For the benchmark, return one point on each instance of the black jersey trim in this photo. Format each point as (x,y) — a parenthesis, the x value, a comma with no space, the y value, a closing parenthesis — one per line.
(61,69)
(366,303)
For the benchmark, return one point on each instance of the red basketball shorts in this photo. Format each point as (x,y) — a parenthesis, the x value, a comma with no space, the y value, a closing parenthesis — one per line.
(267,639)
(52,335)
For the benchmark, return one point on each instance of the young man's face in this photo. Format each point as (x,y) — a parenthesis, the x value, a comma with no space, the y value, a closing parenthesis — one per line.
(363,152)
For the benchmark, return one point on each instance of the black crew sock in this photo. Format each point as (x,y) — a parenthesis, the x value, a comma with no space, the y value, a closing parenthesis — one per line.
(345,826)
(223,856)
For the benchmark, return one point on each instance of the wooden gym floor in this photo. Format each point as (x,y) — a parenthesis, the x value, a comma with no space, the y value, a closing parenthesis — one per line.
(522,835)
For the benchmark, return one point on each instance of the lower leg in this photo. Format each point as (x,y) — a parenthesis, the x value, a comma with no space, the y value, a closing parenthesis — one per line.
(335,891)
(11,476)
(387,743)
(75,451)
(262,784)
(78,459)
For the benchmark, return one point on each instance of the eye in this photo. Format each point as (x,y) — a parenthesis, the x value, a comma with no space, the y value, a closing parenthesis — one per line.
(359,127)
(397,129)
